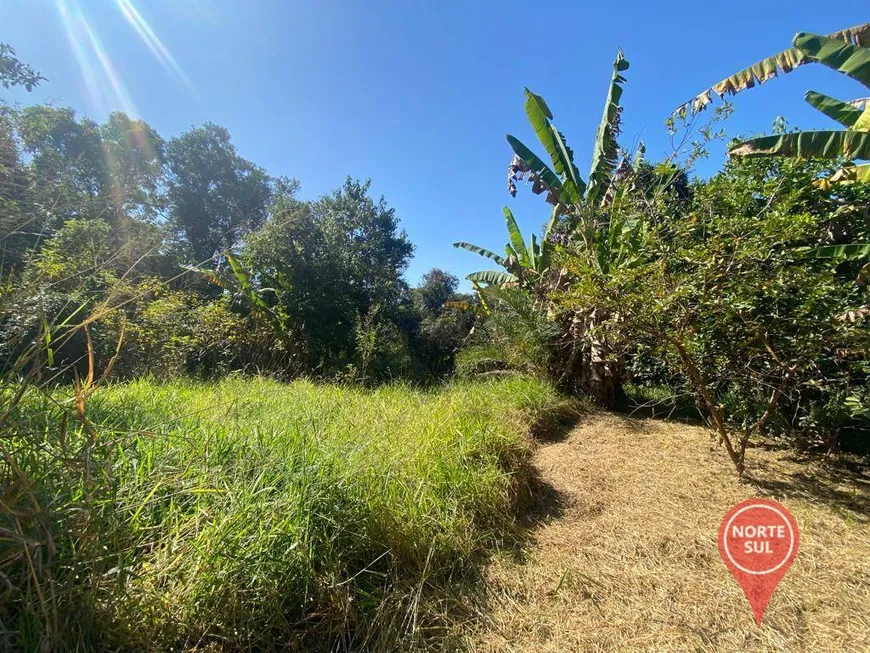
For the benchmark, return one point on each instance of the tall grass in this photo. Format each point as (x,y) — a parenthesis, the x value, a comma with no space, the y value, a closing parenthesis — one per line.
(249,514)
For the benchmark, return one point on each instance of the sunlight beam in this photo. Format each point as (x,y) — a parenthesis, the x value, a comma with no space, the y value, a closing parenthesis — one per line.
(160,52)
(86,42)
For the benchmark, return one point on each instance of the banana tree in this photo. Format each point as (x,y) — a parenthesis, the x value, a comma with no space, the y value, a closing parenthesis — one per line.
(587,212)
(847,52)
(587,206)
(523,264)
(239,281)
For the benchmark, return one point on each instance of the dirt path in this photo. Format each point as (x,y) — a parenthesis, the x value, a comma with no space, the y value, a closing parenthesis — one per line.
(624,554)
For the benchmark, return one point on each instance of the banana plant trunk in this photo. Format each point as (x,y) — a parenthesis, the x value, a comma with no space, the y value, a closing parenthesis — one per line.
(592,368)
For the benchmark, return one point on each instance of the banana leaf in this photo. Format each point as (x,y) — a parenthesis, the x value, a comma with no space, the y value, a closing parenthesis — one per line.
(814,144)
(516,238)
(536,165)
(843,112)
(560,154)
(480,250)
(761,71)
(492,277)
(605,154)
(852,174)
(842,56)
(546,241)
(534,253)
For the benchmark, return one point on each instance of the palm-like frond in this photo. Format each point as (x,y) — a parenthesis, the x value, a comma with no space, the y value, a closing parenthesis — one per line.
(761,71)
(606,152)
(816,144)
(849,58)
(843,112)
(492,277)
(516,238)
(482,252)
(554,143)
(848,252)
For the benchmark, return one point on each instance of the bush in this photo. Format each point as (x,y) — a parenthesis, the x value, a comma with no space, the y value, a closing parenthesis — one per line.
(725,298)
(515,335)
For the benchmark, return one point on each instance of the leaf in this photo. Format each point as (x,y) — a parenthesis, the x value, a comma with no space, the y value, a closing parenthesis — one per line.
(843,112)
(848,252)
(844,56)
(758,73)
(534,252)
(487,309)
(573,184)
(536,165)
(516,238)
(816,144)
(852,174)
(492,277)
(606,152)
(480,250)
(553,142)
(546,241)
(47,339)
(863,122)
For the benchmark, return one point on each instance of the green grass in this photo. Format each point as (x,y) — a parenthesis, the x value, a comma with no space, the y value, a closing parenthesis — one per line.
(249,514)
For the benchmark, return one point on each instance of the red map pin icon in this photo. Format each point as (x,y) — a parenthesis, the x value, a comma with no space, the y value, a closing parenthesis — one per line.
(758,540)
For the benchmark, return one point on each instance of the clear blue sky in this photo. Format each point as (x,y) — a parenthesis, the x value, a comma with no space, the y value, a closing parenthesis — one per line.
(415,95)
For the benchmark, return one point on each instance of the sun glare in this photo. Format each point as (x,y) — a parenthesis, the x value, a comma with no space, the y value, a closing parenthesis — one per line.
(100,76)
(107,91)
(146,33)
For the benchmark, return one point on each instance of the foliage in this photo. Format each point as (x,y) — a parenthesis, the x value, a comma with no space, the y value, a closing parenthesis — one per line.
(215,197)
(846,52)
(585,214)
(441,320)
(330,266)
(725,298)
(524,265)
(332,513)
(516,336)
(15,73)
(782,62)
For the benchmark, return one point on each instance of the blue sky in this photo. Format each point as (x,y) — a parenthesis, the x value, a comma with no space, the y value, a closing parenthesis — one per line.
(416,95)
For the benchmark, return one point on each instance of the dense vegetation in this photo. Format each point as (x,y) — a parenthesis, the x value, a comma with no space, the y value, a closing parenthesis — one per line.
(745,292)
(150,287)
(263,513)
(99,219)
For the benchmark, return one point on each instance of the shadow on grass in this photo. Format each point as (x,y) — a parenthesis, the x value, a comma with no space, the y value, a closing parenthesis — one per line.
(842,484)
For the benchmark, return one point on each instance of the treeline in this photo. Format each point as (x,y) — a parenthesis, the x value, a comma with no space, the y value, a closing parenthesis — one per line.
(111,224)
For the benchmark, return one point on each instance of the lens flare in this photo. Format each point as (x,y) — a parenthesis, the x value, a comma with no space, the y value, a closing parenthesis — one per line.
(87,46)
(99,74)
(160,52)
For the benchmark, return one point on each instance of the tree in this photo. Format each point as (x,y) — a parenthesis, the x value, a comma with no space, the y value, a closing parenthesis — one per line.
(215,197)
(845,51)
(848,53)
(723,303)
(525,265)
(134,155)
(443,319)
(15,73)
(330,265)
(14,181)
(585,214)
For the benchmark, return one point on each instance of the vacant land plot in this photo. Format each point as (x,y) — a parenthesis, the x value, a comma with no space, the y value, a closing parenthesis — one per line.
(624,554)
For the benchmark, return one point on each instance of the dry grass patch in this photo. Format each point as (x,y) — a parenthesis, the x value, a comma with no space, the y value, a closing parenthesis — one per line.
(624,555)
